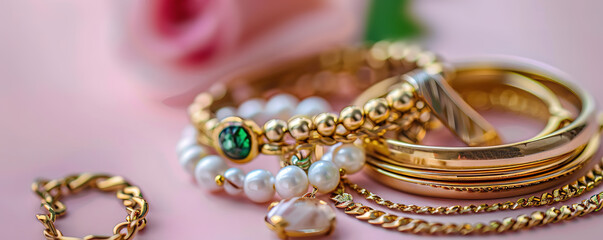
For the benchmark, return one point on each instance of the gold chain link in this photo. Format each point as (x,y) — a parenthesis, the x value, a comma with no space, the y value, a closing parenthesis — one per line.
(537,218)
(51,191)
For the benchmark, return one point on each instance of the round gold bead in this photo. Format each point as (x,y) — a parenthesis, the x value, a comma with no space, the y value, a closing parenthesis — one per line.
(219,180)
(325,123)
(199,118)
(401,99)
(300,128)
(377,110)
(352,117)
(275,130)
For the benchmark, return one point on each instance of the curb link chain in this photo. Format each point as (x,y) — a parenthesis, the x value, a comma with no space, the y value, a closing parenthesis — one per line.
(537,218)
(51,191)
(585,183)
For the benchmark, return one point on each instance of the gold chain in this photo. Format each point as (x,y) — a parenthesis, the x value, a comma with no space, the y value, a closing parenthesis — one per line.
(537,218)
(585,183)
(51,191)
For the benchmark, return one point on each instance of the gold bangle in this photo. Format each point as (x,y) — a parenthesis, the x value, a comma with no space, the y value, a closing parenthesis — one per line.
(511,92)
(484,189)
(51,192)
(536,164)
(579,187)
(514,93)
(566,139)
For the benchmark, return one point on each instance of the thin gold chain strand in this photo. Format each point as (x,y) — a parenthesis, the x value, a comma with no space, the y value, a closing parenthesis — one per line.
(418,226)
(577,188)
(51,191)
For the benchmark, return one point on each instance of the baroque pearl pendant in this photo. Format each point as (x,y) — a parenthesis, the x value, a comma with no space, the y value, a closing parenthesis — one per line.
(300,217)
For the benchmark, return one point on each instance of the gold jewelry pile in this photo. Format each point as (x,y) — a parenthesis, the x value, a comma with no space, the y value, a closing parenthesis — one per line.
(401,92)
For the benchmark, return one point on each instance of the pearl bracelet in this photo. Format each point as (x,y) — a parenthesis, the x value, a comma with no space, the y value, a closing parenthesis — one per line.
(212,173)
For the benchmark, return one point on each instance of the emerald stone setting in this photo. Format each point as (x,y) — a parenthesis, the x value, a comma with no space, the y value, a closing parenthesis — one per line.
(235,142)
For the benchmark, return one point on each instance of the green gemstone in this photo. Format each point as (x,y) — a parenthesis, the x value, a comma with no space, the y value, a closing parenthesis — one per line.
(235,142)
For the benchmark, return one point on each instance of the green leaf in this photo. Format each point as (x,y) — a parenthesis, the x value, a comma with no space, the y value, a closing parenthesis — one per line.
(390,19)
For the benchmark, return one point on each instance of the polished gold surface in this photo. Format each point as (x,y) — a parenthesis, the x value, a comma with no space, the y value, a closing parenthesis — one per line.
(52,191)
(508,97)
(326,124)
(484,189)
(352,118)
(451,109)
(565,138)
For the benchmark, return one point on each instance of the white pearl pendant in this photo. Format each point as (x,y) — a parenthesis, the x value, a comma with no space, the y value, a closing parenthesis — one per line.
(324,176)
(291,181)
(207,170)
(301,217)
(259,186)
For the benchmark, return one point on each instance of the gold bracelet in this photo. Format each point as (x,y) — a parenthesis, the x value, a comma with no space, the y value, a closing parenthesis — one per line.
(51,192)
(562,141)
(583,184)
(484,96)
(395,111)
(301,137)
(485,168)
(566,212)
(526,221)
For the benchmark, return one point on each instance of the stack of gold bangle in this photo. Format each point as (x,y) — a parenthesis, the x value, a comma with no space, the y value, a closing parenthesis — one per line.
(502,170)
(401,93)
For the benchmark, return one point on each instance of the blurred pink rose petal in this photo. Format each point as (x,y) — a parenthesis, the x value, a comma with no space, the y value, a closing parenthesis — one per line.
(183,46)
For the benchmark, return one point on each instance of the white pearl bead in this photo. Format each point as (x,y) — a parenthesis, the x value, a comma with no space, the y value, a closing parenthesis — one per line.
(207,169)
(234,179)
(252,109)
(189,131)
(312,106)
(328,155)
(191,156)
(324,176)
(350,158)
(281,106)
(291,181)
(259,185)
(225,112)
(185,143)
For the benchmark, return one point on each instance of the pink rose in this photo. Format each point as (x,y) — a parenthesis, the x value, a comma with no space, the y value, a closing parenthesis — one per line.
(186,45)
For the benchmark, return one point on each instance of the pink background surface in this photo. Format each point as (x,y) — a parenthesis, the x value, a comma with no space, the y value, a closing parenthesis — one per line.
(70,104)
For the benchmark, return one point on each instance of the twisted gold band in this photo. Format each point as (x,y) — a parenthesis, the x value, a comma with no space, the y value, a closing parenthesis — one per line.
(495,171)
(564,140)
